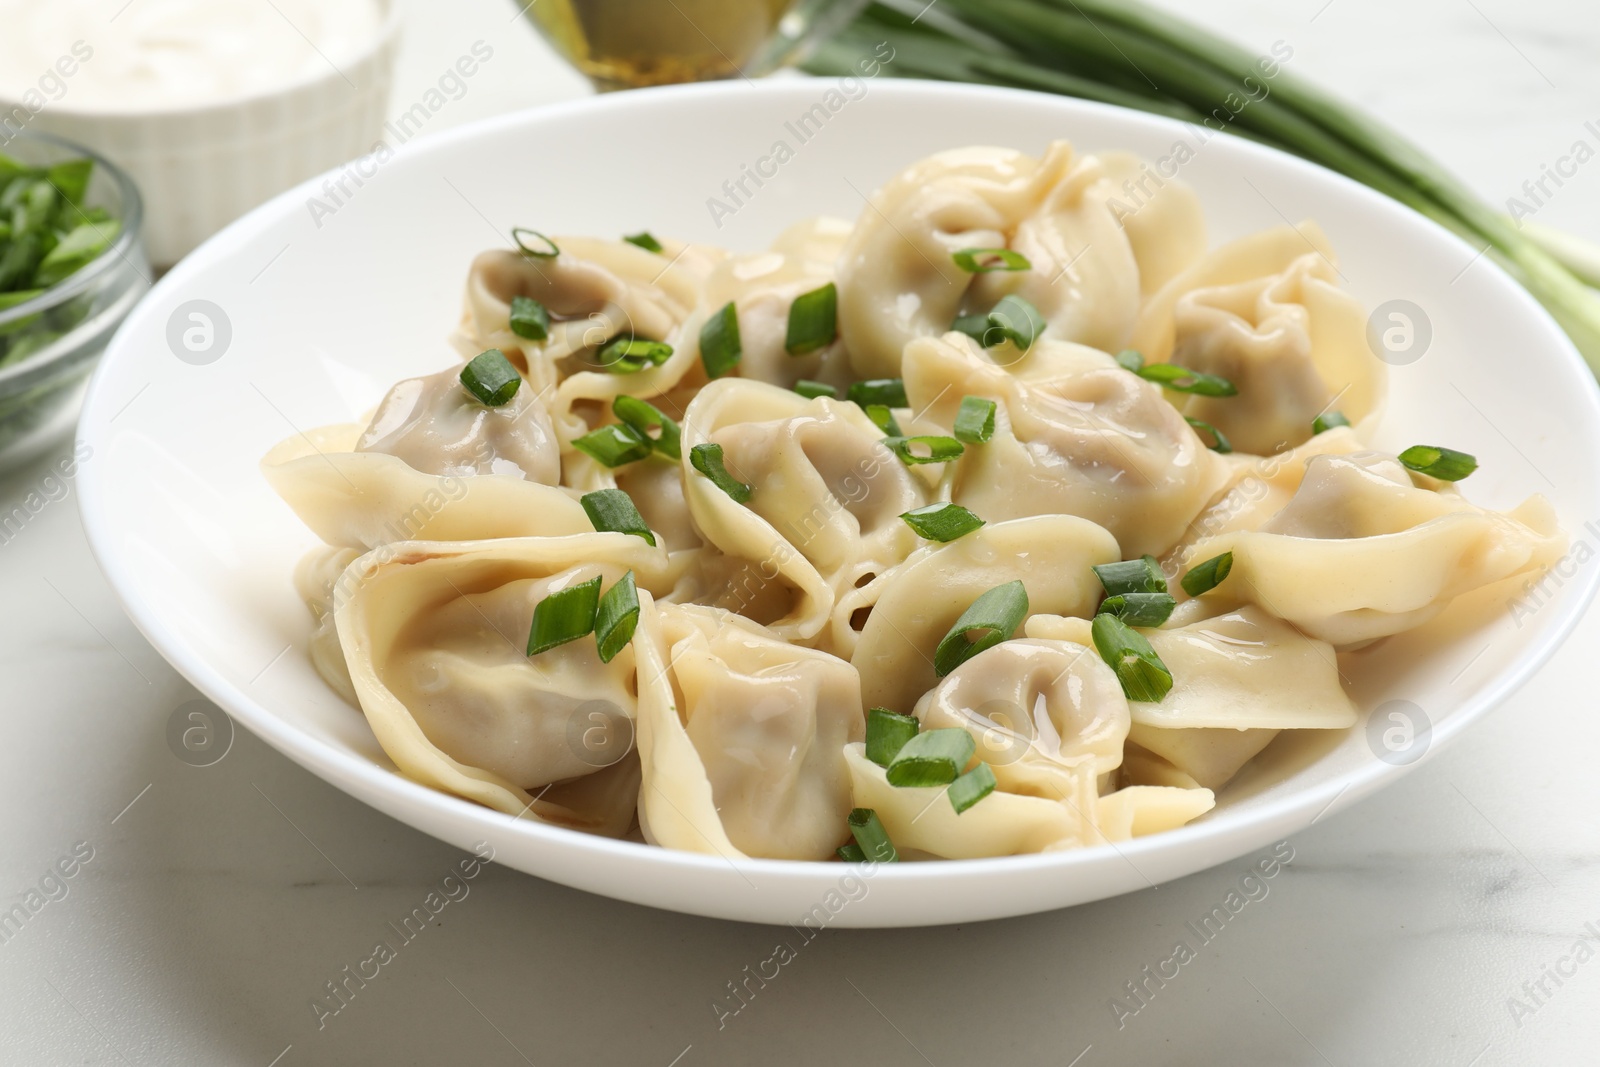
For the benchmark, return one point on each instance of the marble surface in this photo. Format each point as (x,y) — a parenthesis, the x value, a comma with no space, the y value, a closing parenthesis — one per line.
(207,907)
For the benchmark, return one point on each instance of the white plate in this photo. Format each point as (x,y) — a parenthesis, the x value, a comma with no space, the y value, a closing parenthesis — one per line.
(326,310)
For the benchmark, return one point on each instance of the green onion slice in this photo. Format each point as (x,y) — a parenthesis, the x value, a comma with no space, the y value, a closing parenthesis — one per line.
(616,618)
(1141,575)
(942,522)
(1140,609)
(975,420)
(1131,360)
(644,240)
(1183,380)
(851,853)
(707,459)
(550,250)
(984,260)
(1328,420)
(1445,464)
(491,378)
(1018,320)
(882,418)
(980,329)
(1222,445)
(529,318)
(887,734)
(932,758)
(642,417)
(813,320)
(720,346)
(564,616)
(1126,651)
(940,449)
(630,355)
(1204,577)
(971,787)
(811,390)
(890,392)
(613,511)
(615,444)
(871,837)
(991,619)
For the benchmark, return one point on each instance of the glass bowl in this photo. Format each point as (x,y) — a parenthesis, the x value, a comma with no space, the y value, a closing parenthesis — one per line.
(49,344)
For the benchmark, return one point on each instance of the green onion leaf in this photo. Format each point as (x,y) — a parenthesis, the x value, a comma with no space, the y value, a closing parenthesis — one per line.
(529,318)
(491,378)
(931,758)
(1141,575)
(1126,651)
(630,355)
(615,444)
(813,320)
(71,178)
(975,420)
(942,522)
(1222,445)
(991,619)
(1445,464)
(1018,320)
(643,417)
(882,418)
(1328,420)
(980,329)
(1140,609)
(940,449)
(564,616)
(1130,360)
(887,734)
(616,618)
(851,853)
(871,837)
(644,240)
(1183,380)
(613,511)
(707,459)
(971,787)
(1204,577)
(811,390)
(890,392)
(549,250)
(984,260)
(720,346)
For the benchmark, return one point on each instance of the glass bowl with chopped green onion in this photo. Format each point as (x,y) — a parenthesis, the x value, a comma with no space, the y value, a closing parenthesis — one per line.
(72,265)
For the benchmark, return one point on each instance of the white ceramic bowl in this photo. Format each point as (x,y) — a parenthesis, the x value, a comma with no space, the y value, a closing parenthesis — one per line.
(200,550)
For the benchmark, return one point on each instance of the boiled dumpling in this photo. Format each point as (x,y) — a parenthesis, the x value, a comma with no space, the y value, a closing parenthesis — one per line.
(1141,810)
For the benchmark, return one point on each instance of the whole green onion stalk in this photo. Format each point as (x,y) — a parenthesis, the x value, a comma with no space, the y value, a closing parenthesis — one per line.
(1116,51)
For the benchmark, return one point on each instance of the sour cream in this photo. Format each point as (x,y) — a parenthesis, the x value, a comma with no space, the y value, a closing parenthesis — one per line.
(149,55)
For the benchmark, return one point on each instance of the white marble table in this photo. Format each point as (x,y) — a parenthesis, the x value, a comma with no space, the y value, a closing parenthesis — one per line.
(216,902)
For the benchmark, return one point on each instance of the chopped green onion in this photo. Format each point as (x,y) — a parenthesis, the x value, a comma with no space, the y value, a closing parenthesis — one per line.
(1018,320)
(1130,360)
(564,616)
(882,418)
(1140,609)
(529,318)
(615,444)
(1445,464)
(871,837)
(643,417)
(630,355)
(1183,380)
(644,240)
(813,320)
(616,618)
(968,259)
(942,522)
(931,758)
(550,251)
(613,511)
(1141,575)
(707,459)
(940,449)
(851,853)
(1328,420)
(491,378)
(887,734)
(720,347)
(991,619)
(971,787)
(980,329)
(1204,577)
(1222,446)
(975,420)
(890,392)
(1126,651)
(811,390)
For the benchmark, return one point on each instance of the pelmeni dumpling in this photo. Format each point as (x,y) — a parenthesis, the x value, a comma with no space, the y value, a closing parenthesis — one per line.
(1161,217)
(918,602)
(317,580)
(1203,757)
(742,739)
(435,637)
(1361,552)
(1141,810)
(1075,434)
